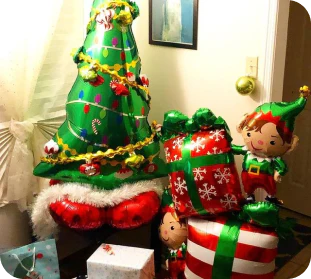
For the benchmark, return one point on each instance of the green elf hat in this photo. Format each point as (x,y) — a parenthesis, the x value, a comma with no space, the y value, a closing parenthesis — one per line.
(167,204)
(282,114)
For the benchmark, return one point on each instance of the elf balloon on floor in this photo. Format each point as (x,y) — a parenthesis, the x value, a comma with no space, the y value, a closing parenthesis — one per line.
(268,135)
(103,161)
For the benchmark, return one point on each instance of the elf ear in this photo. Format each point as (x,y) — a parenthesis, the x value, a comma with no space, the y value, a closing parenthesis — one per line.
(241,124)
(294,144)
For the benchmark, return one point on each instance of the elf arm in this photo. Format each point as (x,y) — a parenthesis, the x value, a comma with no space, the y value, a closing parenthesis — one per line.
(280,166)
(238,149)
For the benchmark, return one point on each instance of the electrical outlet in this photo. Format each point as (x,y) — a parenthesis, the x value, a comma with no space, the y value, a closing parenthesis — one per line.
(252,66)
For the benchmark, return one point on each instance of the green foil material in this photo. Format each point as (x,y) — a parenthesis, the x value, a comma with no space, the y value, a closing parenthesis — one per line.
(266,214)
(176,123)
(123,119)
(225,251)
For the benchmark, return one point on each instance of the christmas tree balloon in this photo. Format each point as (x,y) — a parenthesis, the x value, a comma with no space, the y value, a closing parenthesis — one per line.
(104,158)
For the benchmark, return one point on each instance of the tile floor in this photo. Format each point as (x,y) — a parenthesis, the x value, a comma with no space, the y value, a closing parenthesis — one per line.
(301,261)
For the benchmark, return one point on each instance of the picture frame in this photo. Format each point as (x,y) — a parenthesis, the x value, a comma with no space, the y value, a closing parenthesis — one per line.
(172,25)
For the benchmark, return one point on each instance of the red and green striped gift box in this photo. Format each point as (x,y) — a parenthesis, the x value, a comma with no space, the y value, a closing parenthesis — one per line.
(226,248)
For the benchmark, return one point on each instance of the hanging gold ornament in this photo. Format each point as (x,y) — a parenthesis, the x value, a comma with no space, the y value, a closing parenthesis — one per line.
(134,161)
(245,85)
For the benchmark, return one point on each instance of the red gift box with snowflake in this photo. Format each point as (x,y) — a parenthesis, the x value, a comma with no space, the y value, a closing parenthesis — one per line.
(201,165)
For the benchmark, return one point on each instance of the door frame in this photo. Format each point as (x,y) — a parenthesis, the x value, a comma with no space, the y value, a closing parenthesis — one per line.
(275,54)
(276,42)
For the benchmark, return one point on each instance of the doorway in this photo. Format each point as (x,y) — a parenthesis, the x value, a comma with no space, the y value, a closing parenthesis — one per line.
(295,189)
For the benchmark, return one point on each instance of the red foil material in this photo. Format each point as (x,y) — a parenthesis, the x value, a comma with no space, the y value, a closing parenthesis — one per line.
(217,185)
(254,257)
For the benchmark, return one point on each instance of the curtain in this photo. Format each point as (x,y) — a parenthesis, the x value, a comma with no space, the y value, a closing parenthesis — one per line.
(36,74)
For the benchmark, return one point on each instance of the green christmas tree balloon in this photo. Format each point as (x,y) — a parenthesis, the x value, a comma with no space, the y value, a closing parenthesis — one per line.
(106,139)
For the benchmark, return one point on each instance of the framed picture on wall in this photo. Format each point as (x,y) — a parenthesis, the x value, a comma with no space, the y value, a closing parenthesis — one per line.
(173,23)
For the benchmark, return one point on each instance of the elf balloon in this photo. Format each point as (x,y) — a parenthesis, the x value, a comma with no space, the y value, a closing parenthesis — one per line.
(173,234)
(105,156)
(268,135)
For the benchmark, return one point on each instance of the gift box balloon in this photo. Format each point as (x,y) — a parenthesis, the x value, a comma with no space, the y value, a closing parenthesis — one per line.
(229,248)
(202,170)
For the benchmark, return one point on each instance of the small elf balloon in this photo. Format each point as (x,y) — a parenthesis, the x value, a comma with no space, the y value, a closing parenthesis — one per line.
(173,234)
(268,135)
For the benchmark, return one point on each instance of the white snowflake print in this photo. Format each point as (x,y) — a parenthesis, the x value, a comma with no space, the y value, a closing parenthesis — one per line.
(223,176)
(167,154)
(180,186)
(228,201)
(217,135)
(189,206)
(175,158)
(199,174)
(207,191)
(177,203)
(198,144)
(215,151)
(177,143)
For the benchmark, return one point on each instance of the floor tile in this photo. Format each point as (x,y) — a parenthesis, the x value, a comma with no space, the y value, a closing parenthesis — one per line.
(298,272)
(302,257)
(288,270)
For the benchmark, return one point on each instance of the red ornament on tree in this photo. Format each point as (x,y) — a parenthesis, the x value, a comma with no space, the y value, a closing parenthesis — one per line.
(119,89)
(144,80)
(151,168)
(130,76)
(90,169)
(99,81)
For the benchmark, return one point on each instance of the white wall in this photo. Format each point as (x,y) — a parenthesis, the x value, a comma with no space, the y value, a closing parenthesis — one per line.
(186,80)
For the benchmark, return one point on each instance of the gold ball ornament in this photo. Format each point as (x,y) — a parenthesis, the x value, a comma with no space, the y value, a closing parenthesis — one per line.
(245,85)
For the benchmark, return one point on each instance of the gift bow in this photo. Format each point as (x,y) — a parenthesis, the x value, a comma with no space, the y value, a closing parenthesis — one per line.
(176,123)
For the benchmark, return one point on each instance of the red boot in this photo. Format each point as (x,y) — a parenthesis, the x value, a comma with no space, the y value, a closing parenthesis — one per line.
(133,213)
(126,215)
(77,216)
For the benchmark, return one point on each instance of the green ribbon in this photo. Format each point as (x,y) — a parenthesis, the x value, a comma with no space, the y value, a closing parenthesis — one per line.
(188,163)
(189,178)
(263,214)
(176,123)
(225,251)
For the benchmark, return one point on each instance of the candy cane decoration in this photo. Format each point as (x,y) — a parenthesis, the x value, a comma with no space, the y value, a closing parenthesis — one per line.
(104,19)
(94,122)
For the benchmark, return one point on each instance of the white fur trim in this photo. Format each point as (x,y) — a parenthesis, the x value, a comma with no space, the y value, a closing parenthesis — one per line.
(42,221)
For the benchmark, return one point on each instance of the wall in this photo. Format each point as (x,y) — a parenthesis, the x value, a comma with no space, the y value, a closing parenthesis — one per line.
(186,80)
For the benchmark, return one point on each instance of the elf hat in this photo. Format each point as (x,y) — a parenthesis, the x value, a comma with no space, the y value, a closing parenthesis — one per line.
(167,203)
(282,114)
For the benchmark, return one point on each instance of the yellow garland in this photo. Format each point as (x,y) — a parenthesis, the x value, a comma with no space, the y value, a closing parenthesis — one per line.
(105,69)
(99,155)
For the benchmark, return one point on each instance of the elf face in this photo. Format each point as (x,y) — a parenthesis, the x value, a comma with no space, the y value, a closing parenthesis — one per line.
(172,232)
(264,140)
